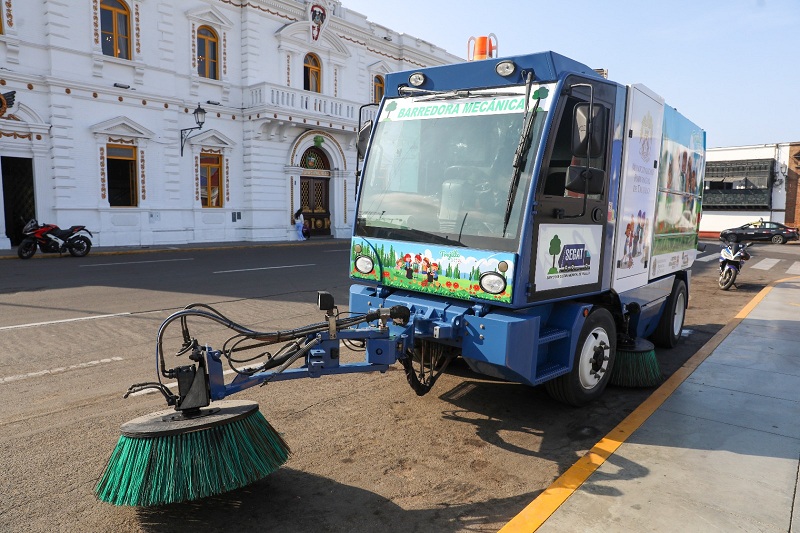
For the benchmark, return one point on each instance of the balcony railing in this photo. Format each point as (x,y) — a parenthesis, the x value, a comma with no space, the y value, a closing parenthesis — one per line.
(303,103)
(737,199)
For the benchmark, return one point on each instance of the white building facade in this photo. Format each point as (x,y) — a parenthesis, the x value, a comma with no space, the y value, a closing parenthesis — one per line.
(96,93)
(747,183)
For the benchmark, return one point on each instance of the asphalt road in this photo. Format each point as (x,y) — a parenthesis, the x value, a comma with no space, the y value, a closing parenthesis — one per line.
(368,454)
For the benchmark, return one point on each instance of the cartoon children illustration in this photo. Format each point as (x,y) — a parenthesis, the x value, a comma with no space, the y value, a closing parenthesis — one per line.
(408,266)
(433,274)
(417,262)
(425,264)
(637,233)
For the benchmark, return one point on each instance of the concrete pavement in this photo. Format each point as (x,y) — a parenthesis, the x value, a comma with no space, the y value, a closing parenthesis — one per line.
(715,448)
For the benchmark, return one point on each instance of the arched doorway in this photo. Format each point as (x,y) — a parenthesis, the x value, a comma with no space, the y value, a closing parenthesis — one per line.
(315,178)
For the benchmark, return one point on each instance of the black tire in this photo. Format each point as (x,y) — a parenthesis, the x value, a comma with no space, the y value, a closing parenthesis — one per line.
(727,278)
(26,249)
(582,384)
(778,239)
(668,331)
(79,246)
(732,237)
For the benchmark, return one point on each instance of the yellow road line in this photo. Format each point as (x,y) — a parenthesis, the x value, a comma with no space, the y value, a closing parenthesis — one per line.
(544,505)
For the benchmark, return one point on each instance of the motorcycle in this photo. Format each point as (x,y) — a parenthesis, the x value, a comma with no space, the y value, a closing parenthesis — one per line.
(52,239)
(731,259)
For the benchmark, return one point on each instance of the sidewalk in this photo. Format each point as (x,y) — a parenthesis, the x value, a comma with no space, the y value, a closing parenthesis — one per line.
(715,448)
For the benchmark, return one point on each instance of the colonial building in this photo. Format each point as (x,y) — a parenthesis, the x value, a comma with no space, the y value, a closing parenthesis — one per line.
(747,183)
(174,121)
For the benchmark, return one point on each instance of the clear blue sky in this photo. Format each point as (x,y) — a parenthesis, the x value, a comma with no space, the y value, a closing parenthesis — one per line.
(731,66)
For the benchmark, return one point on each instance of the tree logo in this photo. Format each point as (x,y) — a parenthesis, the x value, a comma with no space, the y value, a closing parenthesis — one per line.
(555,249)
(391,106)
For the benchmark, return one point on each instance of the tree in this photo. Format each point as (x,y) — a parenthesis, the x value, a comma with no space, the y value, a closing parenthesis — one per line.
(555,248)
(391,106)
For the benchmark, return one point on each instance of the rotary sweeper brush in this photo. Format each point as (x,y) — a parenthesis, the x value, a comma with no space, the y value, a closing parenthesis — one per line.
(207,445)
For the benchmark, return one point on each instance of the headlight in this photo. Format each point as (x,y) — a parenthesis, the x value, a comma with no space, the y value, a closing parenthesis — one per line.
(505,68)
(416,79)
(492,282)
(364,264)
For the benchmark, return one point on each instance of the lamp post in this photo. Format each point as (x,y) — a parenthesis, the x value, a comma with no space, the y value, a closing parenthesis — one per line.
(199,118)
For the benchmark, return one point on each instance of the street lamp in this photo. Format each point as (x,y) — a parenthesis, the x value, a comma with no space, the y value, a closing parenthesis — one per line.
(199,118)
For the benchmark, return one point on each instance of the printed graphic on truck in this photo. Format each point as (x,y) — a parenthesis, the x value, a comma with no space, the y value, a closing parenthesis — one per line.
(680,182)
(565,255)
(441,270)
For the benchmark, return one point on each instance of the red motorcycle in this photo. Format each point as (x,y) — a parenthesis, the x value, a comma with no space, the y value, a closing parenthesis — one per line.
(52,239)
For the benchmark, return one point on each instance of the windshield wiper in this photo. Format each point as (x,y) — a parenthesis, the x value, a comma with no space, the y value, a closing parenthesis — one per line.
(449,95)
(521,155)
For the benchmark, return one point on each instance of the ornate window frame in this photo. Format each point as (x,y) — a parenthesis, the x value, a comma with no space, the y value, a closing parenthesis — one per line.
(212,142)
(208,52)
(122,131)
(212,18)
(115,34)
(377,70)
(312,73)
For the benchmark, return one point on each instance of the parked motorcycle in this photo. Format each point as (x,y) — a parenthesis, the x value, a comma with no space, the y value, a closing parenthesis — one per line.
(731,259)
(51,239)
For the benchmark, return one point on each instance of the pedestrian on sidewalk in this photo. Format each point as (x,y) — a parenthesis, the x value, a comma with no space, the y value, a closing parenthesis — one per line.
(299,222)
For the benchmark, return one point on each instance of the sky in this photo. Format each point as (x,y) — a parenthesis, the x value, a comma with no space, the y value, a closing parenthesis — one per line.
(730,66)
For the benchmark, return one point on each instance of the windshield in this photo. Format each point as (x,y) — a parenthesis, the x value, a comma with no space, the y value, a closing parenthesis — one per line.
(439,170)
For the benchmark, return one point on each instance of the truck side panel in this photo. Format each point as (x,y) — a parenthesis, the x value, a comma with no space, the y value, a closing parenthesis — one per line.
(680,182)
(638,188)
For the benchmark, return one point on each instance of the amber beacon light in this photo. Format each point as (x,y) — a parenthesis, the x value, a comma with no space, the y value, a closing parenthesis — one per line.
(482,47)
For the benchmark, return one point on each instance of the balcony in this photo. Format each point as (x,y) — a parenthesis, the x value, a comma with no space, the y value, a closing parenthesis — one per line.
(737,199)
(306,104)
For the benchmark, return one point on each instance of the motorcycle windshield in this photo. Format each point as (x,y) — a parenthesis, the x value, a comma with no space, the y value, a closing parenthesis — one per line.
(439,169)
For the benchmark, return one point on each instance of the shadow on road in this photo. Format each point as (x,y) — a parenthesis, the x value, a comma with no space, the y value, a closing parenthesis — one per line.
(293,501)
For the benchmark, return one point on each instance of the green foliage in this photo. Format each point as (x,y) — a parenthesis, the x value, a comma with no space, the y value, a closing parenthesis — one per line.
(555,245)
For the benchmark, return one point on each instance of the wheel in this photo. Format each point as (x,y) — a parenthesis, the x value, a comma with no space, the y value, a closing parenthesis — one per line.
(26,249)
(594,359)
(732,237)
(727,278)
(79,246)
(668,331)
(778,239)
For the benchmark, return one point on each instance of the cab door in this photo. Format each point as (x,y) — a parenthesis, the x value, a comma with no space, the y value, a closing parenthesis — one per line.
(570,230)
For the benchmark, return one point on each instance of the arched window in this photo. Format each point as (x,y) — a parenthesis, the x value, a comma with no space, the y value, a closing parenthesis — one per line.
(207,42)
(315,159)
(312,74)
(378,86)
(115,26)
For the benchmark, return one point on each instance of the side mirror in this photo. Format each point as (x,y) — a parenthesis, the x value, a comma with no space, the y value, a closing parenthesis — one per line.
(581,137)
(363,138)
(578,177)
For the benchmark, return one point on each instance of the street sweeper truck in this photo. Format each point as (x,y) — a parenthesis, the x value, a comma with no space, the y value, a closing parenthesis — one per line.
(525,214)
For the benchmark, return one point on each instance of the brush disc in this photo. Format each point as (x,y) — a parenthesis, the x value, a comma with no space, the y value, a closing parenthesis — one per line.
(636,365)
(641,346)
(166,457)
(172,422)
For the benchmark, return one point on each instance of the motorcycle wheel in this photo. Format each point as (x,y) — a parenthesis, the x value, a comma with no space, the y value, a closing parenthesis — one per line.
(727,278)
(79,246)
(26,249)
